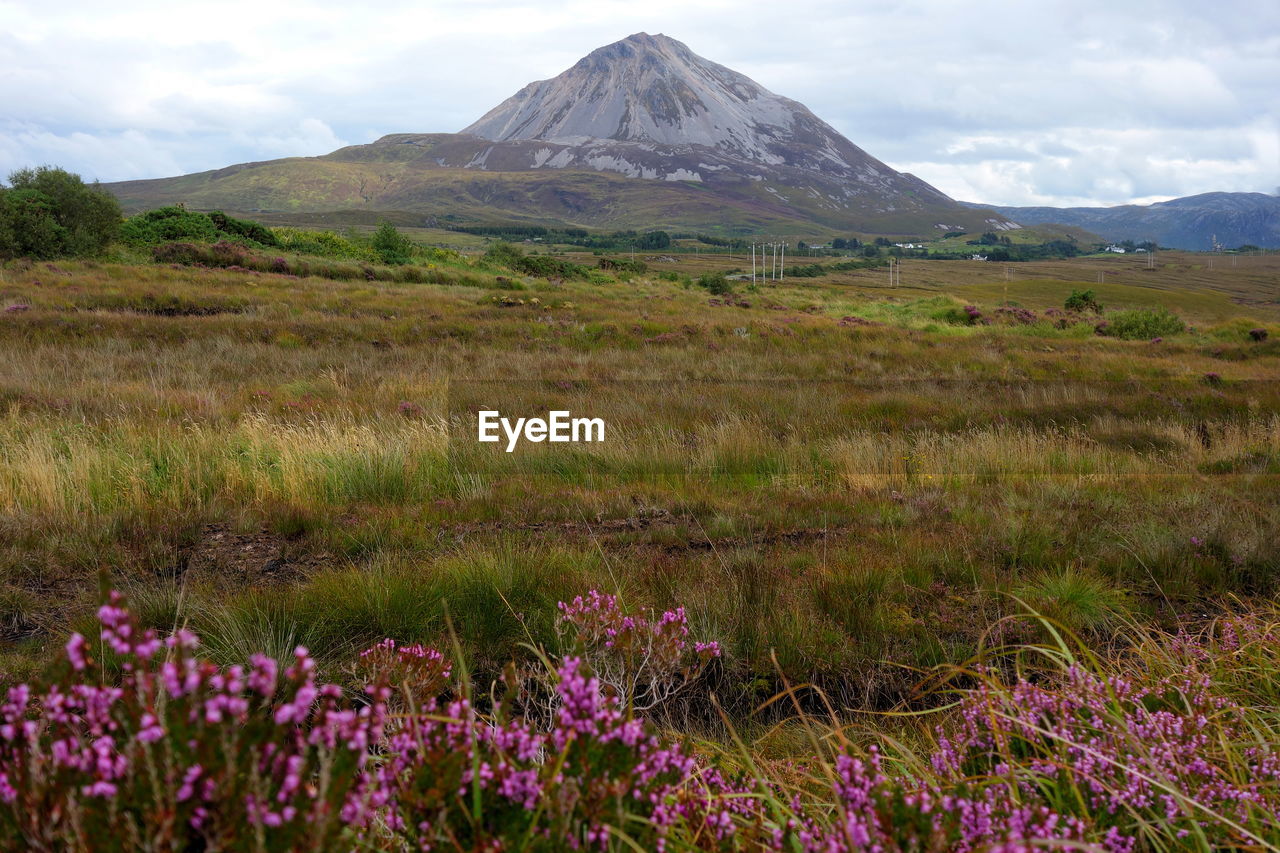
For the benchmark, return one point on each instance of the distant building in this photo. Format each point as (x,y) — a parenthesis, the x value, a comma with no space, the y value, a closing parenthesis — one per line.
(977,257)
(1119,250)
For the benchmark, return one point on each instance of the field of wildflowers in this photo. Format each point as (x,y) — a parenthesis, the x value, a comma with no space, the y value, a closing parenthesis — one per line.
(138,742)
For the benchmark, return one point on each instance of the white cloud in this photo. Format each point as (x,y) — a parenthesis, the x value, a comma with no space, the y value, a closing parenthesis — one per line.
(1089,166)
(992,99)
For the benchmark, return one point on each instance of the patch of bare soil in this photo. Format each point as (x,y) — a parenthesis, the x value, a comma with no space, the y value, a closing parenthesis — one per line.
(221,554)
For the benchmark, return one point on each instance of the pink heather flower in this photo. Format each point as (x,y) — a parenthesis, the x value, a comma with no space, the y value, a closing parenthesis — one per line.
(262,677)
(182,639)
(187,790)
(385,645)
(522,786)
(75,651)
(101,788)
(151,730)
(297,710)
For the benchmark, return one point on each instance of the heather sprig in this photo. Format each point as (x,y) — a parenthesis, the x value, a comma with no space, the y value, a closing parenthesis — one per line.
(644,659)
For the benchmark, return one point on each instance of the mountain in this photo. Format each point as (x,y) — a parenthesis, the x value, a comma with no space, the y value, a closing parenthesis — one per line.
(1182,223)
(656,96)
(642,133)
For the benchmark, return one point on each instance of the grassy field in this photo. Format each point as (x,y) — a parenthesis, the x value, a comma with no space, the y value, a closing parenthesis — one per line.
(937,565)
(844,482)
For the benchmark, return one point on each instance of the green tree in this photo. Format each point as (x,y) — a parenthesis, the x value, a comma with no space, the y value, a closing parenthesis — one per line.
(654,240)
(392,246)
(28,228)
(87,217)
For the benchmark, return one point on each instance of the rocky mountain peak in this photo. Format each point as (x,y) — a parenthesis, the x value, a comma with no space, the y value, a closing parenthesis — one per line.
(654,89)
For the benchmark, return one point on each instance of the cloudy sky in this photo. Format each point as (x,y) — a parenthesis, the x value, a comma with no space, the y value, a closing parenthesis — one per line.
(1013,102)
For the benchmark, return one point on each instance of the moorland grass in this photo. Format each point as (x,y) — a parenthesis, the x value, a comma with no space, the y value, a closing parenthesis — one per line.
(841,499)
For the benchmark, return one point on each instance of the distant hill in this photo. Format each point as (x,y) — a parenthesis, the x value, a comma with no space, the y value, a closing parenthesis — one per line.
(1183,223)
(642,133)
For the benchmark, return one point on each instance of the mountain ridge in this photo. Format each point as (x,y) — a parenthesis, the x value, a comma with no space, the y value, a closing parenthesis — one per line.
(1189,222)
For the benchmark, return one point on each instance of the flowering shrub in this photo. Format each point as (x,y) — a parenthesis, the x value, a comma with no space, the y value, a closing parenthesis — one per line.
(1016,315)
(1131,757)
(154,746)
(138,742)
(643,660)
(451,777)
(175,749)
(874,811)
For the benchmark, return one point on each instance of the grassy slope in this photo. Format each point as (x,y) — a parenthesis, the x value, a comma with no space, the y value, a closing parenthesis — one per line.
(372,187)
(282,460)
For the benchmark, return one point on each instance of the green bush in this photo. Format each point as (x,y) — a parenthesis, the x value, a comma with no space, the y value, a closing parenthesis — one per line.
(715,282)
(391,246)
(622,265)
(246,229)
(175,222)
(324,243)
(48,212)
(503,255)
(1083,300)
(168,223)
(1143,324)
(806,271)
(543,266)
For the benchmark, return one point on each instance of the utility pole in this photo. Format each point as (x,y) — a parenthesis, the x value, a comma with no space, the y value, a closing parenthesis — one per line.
(782,267)
(753,263)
